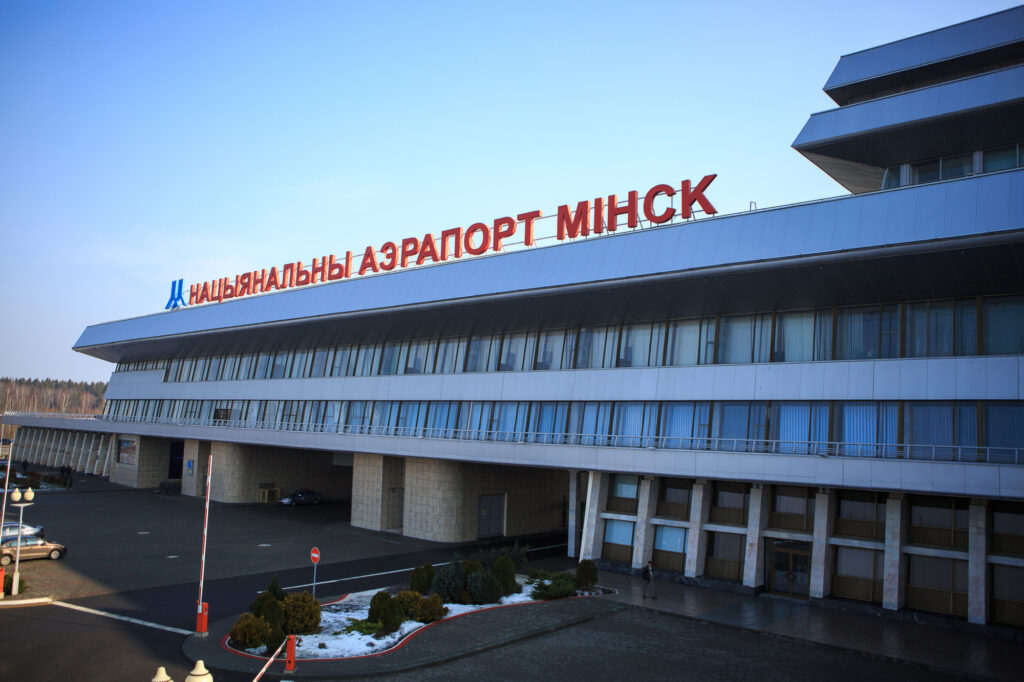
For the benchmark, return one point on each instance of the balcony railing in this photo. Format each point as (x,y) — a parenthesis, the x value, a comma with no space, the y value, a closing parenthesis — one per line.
(936,453)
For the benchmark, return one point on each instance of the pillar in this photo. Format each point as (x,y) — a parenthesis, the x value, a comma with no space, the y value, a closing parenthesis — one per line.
(696,538)
(574,492)
(977,568)
(821,552)
(643,532)
(893,590)
(593,524)
(757,519)
(96,466)
(108,458)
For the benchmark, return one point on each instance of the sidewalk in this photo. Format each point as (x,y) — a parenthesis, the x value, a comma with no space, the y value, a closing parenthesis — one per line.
(946,649)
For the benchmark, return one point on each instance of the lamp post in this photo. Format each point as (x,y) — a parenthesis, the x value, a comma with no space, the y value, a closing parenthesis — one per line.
(16,498)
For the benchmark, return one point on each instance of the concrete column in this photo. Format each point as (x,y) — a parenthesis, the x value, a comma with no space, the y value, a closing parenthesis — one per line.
(893,591)
(95,466)
(89,457)
(821,552)
(367,491)
(643,532)
(977,569)
(37,440)
(593,524)
(757,519)
(574,491)
(80,450)
(51,445)
(108,458)
(696,538)
(55,448)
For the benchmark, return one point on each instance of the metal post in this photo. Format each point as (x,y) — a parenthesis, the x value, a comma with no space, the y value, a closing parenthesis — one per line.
(7,478)
(202,562)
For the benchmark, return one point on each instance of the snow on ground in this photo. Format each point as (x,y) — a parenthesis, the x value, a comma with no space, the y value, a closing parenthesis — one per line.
(356,606)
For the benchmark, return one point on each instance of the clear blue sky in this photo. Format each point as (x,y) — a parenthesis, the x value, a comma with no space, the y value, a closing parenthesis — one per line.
(142,142)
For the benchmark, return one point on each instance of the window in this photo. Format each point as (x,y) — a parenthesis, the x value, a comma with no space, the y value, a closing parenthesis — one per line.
(482,354)
(891,177)
(674,498)
(1000,158)
(549,350)
(938,521)
(800,427)
(1003,325)
(634,346)
(622,494)
(725,556)
(927,171)
(860,514)
(683,342)
(1007,585)
(513,353)
(591,348)
(669,547)
(391,358)
(1007,524)
(1004,430)
(934,429)
(449,354)
(618,540)
(957,166)
(937,584)
(729,502)
(858,574)
(792,508)
(866,428)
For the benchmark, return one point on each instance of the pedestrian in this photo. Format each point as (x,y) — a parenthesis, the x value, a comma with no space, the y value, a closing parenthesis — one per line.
(648,576)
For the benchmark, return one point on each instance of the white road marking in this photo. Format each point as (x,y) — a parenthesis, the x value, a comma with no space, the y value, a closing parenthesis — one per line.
(126,619)
(398,570)
(172,556)
(143,532)
(263,544)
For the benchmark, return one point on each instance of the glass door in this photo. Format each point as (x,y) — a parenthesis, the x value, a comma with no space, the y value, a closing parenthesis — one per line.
(789,568)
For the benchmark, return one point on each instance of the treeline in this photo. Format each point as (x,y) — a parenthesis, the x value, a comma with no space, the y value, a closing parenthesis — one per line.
(51,395)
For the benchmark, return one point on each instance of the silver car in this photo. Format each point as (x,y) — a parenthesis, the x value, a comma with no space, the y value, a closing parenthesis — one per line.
(10,530)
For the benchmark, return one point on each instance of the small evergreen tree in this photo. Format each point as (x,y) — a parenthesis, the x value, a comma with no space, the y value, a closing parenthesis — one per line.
(274,589)
(586,574)
(421,579)
(450,582)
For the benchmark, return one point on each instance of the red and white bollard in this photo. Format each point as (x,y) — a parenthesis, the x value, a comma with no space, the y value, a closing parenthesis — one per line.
(202,617)
(3,577)
(289,655)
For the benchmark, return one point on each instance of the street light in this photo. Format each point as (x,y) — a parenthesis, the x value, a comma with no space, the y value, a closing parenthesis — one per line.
(16,498)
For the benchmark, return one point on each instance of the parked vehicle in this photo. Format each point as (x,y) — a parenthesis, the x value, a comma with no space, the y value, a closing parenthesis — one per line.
(32,547)
(10,530)
(301,497)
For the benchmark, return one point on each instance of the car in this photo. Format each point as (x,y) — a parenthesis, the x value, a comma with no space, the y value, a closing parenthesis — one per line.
(301,497)
(10,530)
(32,547)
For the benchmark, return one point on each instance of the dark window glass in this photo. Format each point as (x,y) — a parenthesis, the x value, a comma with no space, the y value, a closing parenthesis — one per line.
(927,171)
(957,166)
(1000,159)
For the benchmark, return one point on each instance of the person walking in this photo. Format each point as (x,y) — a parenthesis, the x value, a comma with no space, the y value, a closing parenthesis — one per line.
(648,576)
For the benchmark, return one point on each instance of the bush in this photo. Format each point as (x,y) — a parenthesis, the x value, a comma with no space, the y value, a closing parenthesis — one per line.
(301,614)
(376,604)
(556,587)
(269,609)
(516,553)
(9,582)
(450,582)
(471,566)
(421,579)
(505,571)
(248,632)
(586,574)
(362,627)
(483,587)
(274,589)
(274,639)
(391,617)
(410,603)
(432,609)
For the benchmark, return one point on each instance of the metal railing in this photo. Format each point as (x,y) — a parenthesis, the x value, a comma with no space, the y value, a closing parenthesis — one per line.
(937,453)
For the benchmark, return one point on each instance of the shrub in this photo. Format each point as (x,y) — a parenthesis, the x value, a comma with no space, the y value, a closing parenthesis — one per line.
(432,608)
(248,632)
(274,589)
(450,582)
(471,566)
(483,587)
(505,571)
(421,578)
(586,574)
(556,587)
(516,553)
(363,627)
(274,639)
(391,617)
(269,609)
(301,614)
(9,582)
(410,603)
(379,601)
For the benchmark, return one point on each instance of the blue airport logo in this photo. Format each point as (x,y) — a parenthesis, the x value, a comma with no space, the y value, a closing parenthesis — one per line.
(177,299)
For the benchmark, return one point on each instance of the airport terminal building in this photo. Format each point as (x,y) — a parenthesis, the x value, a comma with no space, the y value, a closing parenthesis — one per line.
(822,400)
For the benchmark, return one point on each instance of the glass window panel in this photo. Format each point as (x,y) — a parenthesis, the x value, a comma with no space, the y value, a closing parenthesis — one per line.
(625,485)
(708,334)
(675,491)
(891,178)
(628,424)
(513,352)
(730,424)
(856,563)
(389,357)
(856,426)
(590,347)
(416,358)
(549,350)
(1003,326)
(1004,424)
(448,353)
(940,328)
(823,335)
(262,366)
(478,355)
(318,364)
(676,424)
(341,364)
(794,337)
(957,166)
(917,330)
(682,342)
(928,424)
(213,372)
(889,343)
(791,426)
(279,368)
(727,546)
(736,339)
(670,539)
(791,500)
(1000,159)
(927,171)
(857,333)
(967,327)
(618,532)
(635,346)
(367,359)
(763,338)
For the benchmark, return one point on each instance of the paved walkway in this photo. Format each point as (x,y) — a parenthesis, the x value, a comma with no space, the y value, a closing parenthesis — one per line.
(942,648)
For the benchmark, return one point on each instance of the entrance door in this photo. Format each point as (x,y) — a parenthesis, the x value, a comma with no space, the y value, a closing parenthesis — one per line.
(491,517)
(789,568)
(177,454)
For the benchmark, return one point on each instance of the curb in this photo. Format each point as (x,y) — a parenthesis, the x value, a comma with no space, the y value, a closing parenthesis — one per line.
(8,602)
